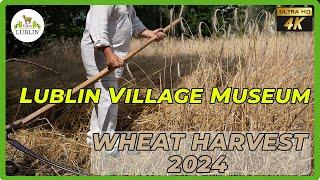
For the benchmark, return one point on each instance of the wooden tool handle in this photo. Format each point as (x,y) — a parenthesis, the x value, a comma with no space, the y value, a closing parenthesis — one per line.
(86,83)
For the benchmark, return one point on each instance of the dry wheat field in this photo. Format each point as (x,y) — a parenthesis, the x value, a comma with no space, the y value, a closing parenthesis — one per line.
(248,61)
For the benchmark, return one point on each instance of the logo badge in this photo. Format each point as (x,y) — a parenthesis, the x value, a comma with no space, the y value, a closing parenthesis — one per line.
(27,25)
(294,18)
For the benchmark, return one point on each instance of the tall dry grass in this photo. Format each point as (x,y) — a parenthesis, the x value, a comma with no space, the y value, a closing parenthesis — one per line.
(259,60)
(248,62)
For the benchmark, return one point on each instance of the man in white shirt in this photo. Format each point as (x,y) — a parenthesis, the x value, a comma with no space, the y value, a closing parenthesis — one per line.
(106,39)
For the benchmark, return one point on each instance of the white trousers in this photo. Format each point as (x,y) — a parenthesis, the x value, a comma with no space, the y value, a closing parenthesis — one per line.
(104,114)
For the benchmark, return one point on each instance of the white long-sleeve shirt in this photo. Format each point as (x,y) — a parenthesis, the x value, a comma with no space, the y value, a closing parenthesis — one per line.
(112,25)
(108,25)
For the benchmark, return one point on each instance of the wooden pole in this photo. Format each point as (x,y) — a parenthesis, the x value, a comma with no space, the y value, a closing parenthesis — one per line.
(86,83)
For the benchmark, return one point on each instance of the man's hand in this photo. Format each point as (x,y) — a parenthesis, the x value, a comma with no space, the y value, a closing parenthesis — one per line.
(113,61)
(159,33)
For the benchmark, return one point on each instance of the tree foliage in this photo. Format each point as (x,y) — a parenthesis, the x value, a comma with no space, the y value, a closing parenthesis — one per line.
(69,22)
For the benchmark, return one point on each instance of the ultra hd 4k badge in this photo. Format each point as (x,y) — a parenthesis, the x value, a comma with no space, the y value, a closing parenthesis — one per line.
(294,18)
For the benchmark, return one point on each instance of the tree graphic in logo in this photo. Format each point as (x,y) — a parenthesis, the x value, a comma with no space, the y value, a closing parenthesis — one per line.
(18,25)
(36,25)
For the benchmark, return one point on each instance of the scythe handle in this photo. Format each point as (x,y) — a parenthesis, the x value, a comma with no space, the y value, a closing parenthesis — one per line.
(18,123)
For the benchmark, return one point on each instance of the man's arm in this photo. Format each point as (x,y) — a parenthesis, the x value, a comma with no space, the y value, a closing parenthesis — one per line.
(98,30)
